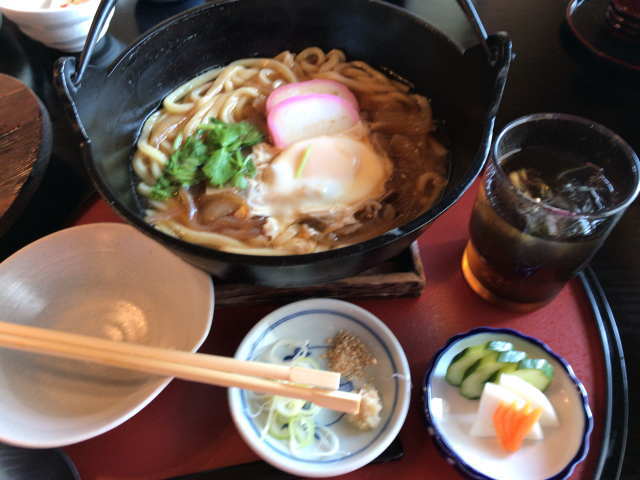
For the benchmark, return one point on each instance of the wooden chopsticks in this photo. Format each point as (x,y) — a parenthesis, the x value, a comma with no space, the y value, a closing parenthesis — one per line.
(198,367)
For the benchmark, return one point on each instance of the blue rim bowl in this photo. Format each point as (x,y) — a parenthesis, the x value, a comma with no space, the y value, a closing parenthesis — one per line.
(448,451)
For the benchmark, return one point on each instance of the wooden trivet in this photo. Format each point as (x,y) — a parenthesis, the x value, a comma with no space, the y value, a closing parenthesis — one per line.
(401,276)
(25,147)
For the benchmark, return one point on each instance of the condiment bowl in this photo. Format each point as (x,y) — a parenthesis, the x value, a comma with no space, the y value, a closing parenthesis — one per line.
(449,417)
(64,29)
(317,321)
(104,280)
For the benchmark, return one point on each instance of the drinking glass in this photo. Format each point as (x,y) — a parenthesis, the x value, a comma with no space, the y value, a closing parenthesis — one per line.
(623,17)
(553,189)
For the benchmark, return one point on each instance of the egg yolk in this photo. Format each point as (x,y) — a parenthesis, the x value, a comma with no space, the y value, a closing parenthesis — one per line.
(323,174)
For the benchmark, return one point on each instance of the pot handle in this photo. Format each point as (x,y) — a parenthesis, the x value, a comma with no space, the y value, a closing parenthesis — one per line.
(106,7)
(100,18)
(469,9)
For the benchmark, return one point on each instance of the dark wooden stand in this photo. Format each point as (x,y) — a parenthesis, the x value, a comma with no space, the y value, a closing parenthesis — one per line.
(401,276)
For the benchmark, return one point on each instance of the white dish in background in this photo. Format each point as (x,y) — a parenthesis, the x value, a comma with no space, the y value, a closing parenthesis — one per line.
(105,280)
(317,320)
(64,29)
(449,417)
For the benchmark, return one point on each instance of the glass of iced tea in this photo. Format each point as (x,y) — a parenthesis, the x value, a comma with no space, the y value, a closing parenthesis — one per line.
(623,17)
(553,189)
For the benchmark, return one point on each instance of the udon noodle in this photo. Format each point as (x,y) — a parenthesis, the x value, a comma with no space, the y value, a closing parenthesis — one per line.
(396,122)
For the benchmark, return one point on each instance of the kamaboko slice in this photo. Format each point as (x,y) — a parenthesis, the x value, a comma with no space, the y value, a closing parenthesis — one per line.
(319,86)
(307,116)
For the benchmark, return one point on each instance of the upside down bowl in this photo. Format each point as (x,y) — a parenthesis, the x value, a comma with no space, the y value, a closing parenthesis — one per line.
(109,106)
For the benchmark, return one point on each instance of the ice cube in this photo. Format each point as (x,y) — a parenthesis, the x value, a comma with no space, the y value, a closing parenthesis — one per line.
(530,182)
(584,189)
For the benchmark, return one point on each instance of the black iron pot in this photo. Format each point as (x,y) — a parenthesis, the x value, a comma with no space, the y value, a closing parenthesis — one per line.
(109,105)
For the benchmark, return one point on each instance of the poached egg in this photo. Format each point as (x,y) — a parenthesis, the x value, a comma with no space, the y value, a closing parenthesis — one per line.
(324,176)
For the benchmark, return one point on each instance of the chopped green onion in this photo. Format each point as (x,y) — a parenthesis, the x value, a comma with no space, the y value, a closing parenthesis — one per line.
(293,421)
(267,425)
(288,407)
(301,430)
(279,427)
(328,442)
(178,142)
(303,162)
(309,409)
(306,362)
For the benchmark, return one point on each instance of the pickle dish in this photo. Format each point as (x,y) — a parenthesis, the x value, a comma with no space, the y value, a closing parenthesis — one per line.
(502,405)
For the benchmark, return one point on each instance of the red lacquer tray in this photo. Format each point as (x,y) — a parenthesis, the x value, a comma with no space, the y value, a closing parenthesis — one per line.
(188,428)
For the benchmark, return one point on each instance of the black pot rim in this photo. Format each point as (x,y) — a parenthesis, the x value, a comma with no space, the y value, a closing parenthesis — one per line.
(359,248)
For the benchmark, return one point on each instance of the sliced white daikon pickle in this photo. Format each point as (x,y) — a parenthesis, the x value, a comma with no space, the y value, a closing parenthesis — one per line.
(492,396)
(531,394)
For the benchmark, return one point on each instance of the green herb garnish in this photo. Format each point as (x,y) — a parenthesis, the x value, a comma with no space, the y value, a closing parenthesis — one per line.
(303,162)
(214,153)
(178,141)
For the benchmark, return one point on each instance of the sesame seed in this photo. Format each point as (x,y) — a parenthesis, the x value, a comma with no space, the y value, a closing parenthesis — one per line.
(348,355)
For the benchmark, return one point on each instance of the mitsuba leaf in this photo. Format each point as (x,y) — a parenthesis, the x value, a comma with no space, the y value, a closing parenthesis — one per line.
(163,189)
(230,135)
(184,163)
(186,172)
(214,153)
(252,136)
(219,168)
(249,168)
(238,159)
(239,181)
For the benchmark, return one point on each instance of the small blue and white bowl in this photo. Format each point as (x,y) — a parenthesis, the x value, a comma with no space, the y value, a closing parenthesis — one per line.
(318,320)
(449,417)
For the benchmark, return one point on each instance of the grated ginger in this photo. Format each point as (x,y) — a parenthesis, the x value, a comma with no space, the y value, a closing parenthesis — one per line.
(368,417)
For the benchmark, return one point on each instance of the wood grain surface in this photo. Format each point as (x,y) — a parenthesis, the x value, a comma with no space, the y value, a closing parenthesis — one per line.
(25,147)
(402,276)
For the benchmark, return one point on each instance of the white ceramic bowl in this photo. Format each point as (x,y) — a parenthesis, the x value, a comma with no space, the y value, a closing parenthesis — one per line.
(64,29)
(449,417)
(317,320)
(106,280)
